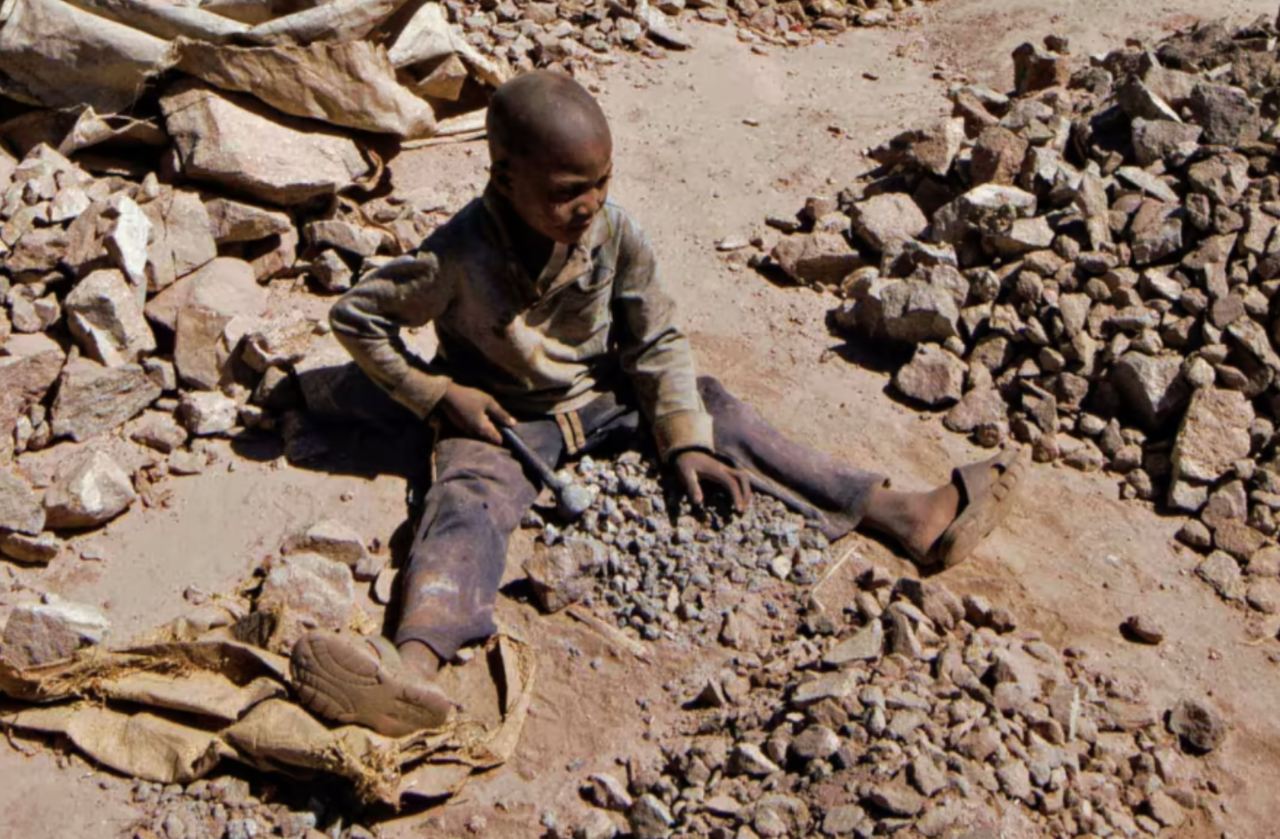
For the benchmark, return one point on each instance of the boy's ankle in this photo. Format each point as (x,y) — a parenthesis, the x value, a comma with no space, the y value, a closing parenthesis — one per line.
(421,658)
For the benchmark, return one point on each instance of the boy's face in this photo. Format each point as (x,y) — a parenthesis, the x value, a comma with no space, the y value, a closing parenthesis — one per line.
(559,189)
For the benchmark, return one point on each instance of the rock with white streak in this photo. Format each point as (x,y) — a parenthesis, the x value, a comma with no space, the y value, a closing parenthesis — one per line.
(46,632)
(104,315)
(127,241)
(207,414)
(89,491)
(93,398)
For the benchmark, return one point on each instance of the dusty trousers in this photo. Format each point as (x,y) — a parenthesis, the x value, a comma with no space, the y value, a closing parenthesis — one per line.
(482,491)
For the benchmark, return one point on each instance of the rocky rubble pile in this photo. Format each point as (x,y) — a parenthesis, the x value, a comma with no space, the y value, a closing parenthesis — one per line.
(1089,265)
(569,31)
(919,714)
(662,580)
(225,808)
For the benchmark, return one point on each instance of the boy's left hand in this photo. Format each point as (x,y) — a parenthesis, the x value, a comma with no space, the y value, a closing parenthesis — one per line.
(695,466)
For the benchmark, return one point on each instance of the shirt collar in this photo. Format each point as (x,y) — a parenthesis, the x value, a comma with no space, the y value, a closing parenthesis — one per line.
(502,214)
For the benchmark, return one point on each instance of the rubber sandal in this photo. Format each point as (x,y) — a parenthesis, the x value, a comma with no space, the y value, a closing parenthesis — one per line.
(351,679)
(987,492)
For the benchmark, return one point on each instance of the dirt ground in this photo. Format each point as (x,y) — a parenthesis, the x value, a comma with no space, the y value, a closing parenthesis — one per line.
(1073,562)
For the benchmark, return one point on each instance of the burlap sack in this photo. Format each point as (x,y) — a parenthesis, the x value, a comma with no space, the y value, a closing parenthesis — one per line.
(171,712)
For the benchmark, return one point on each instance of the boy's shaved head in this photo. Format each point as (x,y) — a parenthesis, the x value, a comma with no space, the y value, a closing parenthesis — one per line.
(550,152)
(542,113)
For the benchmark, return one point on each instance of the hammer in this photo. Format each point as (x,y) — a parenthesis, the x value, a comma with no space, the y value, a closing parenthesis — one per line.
(572,500)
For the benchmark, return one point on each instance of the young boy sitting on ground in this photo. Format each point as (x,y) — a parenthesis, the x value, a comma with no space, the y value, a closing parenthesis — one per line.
(552,320)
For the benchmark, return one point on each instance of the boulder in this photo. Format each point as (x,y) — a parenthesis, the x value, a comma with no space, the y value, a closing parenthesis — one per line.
(883,220)
(332,539)
(998,154)
(931,149)
(307,592)
(1160,140)
(225,286)
(20,509)
(46,632)
(916,312)
(26,374)
(1038,69)
(198,309)
(978,407)
(557,576)
(1156,232)
(38,251)
(233,221)
(867,644)
(208,413)
(1221,571)
(345,236)
(32,550)
(279,342)
(1141,102)
(104,315)
(817,258)
(241,144)
(933,377)
(331,272)
(649,818)
(981,207)
(126,243)
(1200,726)
(1227,114)
(159,431)
(1151,386)
(93,398)
(181,239)
(1213,436)
(89,491)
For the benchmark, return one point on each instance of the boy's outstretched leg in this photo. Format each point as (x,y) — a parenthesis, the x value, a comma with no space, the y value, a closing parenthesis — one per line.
(937,528)
(449,590)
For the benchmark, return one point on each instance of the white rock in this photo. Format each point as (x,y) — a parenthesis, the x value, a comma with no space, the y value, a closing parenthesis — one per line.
(208,413)
(127,242)
(90,491)
(104,315)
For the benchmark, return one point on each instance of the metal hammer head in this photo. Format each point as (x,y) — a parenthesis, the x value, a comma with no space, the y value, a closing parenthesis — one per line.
(572,500)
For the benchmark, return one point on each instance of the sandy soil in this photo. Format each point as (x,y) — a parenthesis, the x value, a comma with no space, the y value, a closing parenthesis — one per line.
(1073,562)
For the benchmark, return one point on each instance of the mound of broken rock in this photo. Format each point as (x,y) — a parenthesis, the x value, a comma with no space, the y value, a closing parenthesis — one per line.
(1089,265)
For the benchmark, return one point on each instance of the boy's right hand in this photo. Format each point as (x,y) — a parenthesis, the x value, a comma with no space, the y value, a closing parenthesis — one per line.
(475,413)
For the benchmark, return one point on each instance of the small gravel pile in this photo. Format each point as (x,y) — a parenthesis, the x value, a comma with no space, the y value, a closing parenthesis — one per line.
(538,34)
(659,579)
(225,808)
(1089,265)
(924,713)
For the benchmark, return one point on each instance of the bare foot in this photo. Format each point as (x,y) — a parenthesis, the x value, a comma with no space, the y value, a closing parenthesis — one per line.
(914,519)
(944,526)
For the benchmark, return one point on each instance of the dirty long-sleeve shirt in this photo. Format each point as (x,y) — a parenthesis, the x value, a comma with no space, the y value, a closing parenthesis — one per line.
(539,346)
